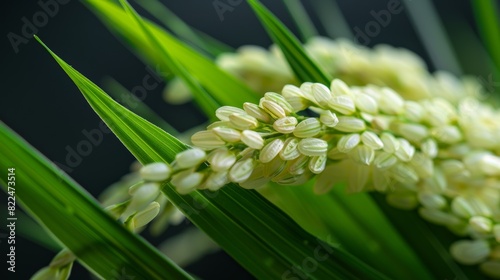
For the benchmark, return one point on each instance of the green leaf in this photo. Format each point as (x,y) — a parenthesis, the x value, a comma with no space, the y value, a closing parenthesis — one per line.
(252,230)
(223,87)
(303,66)
(75,219)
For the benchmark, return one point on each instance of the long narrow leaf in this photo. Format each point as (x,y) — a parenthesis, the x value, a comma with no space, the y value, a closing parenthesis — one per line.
(304,68)
(76,220)
(256,233)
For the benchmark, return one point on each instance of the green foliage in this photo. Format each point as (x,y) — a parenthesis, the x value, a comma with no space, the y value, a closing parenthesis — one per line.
(76,220)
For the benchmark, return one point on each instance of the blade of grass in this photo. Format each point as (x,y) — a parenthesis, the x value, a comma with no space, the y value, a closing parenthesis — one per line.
(119,92)
(256,233)
(486,14)
(332,19)
(75,219)
(301,18)
(170,20)
(216,81)
(426,21)
(304,68)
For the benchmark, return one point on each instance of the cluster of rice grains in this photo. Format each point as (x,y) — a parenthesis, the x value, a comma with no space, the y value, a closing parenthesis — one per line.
(436,154)
(427,141)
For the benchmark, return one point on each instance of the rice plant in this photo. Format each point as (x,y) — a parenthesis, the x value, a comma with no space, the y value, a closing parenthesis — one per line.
(321,158)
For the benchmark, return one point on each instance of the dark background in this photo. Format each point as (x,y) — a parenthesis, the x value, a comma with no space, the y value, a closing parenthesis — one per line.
(42,104)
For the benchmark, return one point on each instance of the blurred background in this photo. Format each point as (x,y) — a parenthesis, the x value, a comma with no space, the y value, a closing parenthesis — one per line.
(42,104)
